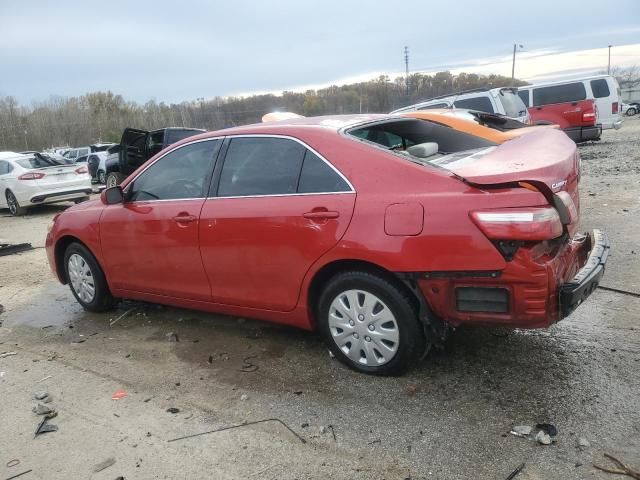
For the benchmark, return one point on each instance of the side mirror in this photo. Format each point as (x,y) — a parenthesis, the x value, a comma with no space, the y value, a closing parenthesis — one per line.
(111,196)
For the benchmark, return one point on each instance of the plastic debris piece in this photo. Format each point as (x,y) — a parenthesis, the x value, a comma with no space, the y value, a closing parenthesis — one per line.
(119,395)
(543,438)
(104,465)
(521,430)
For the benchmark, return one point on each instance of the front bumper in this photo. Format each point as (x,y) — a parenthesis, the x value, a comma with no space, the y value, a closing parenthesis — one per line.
(573,293)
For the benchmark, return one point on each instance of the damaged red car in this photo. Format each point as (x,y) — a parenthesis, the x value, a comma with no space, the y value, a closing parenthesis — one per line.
(382,232)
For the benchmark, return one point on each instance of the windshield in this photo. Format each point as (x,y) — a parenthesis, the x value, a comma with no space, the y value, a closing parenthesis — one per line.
(513,105)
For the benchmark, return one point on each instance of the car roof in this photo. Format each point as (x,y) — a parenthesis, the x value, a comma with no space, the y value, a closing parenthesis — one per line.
(570,80)
(13,156)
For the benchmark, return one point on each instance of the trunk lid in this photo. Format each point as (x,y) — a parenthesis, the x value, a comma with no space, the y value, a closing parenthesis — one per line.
(546,159)
(54,176)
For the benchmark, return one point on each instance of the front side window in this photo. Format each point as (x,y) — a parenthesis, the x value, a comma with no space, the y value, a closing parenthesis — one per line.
(261,166)
(180,174)
(569,92)
(482,104)
(600,88)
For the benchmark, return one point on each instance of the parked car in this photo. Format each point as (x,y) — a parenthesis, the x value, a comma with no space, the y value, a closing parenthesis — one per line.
(74,153)
(563,106)
(138,146)
(29,180)
(94,161)
(503,101)
(602,89)
(262,221)
(630,109)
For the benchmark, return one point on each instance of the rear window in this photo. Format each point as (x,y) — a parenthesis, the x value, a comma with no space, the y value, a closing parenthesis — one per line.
(569,92)
(34,162)
(513,105)
(524,96)
(482,104)
(600,88)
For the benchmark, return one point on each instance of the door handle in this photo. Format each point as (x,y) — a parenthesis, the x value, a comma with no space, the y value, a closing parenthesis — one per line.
(322,215)
(185,218)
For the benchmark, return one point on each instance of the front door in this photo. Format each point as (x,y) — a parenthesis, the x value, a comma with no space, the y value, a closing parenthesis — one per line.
(279,207)
(150,242)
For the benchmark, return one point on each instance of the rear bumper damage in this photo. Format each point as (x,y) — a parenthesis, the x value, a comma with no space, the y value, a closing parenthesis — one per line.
(538,287)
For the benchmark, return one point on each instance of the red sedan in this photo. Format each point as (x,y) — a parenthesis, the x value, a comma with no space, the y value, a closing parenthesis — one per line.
(382,232)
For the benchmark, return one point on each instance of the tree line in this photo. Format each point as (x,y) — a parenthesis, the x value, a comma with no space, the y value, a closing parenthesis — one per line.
(102,116)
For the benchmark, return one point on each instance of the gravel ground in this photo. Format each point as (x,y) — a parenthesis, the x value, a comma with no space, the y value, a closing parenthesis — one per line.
(447,419)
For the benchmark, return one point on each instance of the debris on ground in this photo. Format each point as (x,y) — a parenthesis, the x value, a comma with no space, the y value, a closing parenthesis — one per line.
(521,430)
(41,409)
(7,354)
(44,427)
(172,337)
(543,438)
(411,389)
(583,443)
(620,469)
(10,249)
(247,366)
(42,396)
(112,322)
(333,433)
(104,465)
(246,424)
(45,378)
(244,397)
(513,474)
(173,410)
(118,395)
(548,428)
(1,308)
(323,430)
(13,463)
(19,474)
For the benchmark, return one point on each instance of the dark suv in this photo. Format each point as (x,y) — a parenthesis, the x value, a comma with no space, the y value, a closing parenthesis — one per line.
(138,146)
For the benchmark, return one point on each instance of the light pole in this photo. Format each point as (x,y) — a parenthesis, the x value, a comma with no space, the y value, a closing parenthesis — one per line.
(609,62)
(513,64)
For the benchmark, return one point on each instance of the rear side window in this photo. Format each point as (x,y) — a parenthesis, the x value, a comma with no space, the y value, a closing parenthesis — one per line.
(600,88)
(317,176)
(5,167)
(482,104)
(524,96)
(569,92)
(261,166)
(180,174)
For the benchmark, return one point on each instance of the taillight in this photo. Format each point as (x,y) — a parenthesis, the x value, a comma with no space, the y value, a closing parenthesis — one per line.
(31,176)
(81,170)
(614,107)
(527,224)
(589,116)
(570,207)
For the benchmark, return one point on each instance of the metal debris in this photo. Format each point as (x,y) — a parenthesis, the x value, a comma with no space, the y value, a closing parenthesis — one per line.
(111,323)
(43,427)
(247,366)
(513,474)
(104,465)
(9,249)
(239,426)
(19,474)
(7,354)
(521,430)
(41,409)
(620,469)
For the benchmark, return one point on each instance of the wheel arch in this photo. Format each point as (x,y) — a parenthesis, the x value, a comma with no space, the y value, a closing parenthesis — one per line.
(59,250)
(331,269)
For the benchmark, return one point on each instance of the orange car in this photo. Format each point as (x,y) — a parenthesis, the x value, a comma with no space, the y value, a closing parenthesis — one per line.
(494,128)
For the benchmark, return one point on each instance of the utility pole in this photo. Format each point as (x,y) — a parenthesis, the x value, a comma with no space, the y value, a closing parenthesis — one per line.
(609,62)
(406,67)
(513,64)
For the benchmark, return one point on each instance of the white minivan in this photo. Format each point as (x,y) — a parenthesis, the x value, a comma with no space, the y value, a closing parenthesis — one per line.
(603,89)
(503,101)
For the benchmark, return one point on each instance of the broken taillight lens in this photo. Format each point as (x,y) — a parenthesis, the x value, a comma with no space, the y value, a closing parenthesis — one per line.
(526,224)
(81,170)
(31,176)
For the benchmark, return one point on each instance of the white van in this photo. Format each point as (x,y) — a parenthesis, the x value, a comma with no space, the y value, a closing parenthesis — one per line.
(503,101)
(603,89)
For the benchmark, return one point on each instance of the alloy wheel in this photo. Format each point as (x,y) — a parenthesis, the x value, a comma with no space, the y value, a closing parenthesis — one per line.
(81,278)
(12,203)
(363,328)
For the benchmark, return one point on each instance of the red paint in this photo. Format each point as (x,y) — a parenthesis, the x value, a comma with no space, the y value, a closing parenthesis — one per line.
(257,256)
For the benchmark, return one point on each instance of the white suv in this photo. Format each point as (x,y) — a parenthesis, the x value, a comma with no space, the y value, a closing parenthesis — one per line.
(503,101)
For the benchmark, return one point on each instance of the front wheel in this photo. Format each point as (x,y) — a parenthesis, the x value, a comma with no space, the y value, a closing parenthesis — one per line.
(14,206)
(370,324)
(86,279)
(114,179)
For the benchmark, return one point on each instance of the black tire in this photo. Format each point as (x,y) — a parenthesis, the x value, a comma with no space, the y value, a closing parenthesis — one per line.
(631,112)
(411,338)
(113,179)
(14,206)
(82,199)
(102,300)
(102,178)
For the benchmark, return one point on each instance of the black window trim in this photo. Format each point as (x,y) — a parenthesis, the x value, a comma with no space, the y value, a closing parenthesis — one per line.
(213,191)
(207,181)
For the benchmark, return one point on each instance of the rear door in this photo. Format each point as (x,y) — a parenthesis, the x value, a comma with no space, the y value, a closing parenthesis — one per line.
(150,242)
(276,207)
(133,153)
(606,95)
(556,102)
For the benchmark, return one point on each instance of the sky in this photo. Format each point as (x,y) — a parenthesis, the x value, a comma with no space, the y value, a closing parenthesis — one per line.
(183,50)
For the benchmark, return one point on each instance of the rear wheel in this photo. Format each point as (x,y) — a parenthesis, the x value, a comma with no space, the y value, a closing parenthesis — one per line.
(114,179)
(370,324)
(14,207)
(631,111)
(86,279)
